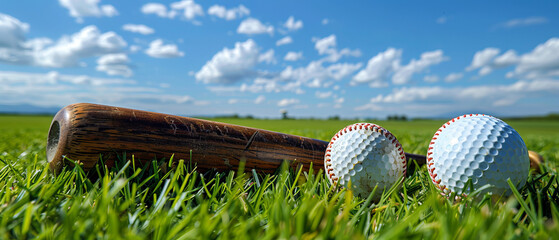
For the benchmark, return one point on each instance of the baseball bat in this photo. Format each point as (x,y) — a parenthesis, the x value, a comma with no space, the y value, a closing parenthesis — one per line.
(83,132)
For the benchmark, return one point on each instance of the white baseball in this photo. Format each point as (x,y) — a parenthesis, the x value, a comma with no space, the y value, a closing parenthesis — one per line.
(366,155)
(479,148)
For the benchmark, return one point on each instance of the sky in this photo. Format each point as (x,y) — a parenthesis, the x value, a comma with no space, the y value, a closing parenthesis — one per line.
(311,58)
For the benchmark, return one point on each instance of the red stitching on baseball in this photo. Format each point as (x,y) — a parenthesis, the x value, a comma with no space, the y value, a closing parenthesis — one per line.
(431,166)
(372,127)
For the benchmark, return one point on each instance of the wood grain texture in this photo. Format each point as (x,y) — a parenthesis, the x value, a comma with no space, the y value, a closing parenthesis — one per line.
(87,130)
(84,132)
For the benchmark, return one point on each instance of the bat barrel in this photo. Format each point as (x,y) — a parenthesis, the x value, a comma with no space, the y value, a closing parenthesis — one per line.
(85,132)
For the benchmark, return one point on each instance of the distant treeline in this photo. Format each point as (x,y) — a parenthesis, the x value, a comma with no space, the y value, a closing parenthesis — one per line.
(395,117)
(551,116)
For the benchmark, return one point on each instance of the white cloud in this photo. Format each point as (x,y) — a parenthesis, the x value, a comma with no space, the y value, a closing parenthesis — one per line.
(506,59)
(284,41)
(483,58)
(315,74)
(453,77)
(325,21)
(190,9)
(325,45)
(231,65)
(114,65)
(138,28)
(521,22)
(260,99)
(68,50)
(233,101)
(254,26)
(228,14)
(543,61)
(88,8)
(159,50)
(267,57)
(379,68)
(328,46)
(288,102)
(293,56)
(55,89)
(158,9)
(55,78)
(12,31)
(442,20)
(403,74)
(293,25)
(431,78)
(319,94)
(485,97)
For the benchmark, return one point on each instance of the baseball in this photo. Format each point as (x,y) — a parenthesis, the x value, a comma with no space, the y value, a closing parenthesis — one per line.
(366,155)
(477,147)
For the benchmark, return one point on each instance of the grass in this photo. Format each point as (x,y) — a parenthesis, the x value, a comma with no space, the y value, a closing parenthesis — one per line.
(144,202)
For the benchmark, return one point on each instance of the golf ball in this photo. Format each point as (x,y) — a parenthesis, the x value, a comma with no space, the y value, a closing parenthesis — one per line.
(365,154)
(481,148)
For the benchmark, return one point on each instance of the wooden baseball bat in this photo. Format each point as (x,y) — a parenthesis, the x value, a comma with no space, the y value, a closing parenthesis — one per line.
(83,132)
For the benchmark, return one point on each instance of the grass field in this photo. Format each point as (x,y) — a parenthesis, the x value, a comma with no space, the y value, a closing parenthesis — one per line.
(133,203)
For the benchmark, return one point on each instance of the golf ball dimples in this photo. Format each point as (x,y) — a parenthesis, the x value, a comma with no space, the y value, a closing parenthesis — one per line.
(478,147)
(365,154)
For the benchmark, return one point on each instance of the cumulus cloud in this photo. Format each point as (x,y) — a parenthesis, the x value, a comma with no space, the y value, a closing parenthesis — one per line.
(288,102)
(231,65)
(293,25)
(293,56)
(254,26)
(228,14)
(158,9)
(158,49)
(88,8)
(316,75)
(12,31)
(284,41)
(387,63)
(403,74)
(379,68)
(189,8)
(138,28)
(541,62)
(325,21)
(268,57)
(328,46)
(483,58)
(67,51)
(115,64)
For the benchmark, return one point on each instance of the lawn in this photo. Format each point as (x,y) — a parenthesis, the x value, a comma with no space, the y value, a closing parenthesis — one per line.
(134,202)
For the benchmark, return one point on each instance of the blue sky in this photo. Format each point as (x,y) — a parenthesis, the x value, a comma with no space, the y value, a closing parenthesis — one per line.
(311,58)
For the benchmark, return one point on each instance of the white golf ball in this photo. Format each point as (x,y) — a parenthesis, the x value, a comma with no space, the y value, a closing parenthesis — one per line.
(365,154)
(481,148)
